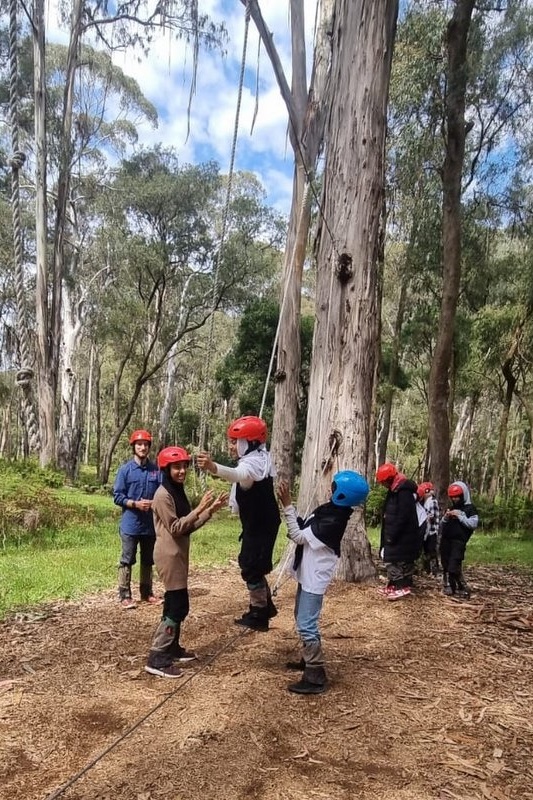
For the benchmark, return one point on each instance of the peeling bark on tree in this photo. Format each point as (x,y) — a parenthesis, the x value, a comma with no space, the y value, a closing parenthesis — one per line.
(455,132)
(347,308)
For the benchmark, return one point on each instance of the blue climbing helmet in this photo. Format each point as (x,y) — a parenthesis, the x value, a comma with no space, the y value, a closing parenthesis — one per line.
(349,489)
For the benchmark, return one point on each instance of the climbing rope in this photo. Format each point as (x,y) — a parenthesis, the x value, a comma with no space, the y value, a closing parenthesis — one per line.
(75,778)
(306,197)
(225,215)
(24,377)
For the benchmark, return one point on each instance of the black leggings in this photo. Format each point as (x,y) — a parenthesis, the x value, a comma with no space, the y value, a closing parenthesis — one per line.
(176,605)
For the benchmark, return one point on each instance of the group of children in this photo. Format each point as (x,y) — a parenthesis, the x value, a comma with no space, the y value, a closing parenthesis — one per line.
(412,527)
(253,496)
(156,509)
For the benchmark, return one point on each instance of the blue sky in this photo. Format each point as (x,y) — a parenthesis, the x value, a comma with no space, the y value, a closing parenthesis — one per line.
(164,77)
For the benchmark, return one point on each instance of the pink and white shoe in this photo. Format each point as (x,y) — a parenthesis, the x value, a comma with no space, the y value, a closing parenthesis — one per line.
(398,593)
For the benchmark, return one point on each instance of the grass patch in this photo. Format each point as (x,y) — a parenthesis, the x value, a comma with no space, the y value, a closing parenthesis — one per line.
(76,550)
(496,547)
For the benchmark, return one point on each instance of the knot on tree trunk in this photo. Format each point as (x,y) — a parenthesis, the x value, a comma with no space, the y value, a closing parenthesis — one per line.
(344,268)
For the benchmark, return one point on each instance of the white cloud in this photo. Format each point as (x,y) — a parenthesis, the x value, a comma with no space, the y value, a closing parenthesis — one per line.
(164,77)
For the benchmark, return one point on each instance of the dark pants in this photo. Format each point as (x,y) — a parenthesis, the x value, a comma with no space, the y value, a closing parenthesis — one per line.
(128,556)
(452,553)
(400,573)
(430,561)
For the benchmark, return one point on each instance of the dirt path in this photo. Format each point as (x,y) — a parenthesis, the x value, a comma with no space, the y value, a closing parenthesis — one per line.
(429,698)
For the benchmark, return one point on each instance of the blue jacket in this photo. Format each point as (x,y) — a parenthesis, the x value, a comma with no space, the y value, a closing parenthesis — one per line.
(136,482)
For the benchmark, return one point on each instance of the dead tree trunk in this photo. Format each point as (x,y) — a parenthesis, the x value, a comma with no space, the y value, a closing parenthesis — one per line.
(347,319)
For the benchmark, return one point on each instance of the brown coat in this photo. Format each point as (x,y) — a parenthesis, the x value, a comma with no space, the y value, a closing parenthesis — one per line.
(171,551)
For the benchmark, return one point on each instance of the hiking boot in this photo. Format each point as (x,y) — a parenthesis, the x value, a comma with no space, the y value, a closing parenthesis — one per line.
(257,620)
(172,671)
(448,591)
(295,665)
(183,656)
(271,608)
(398,592)
(128,603)
(384,590)
(313,681)
(152,600)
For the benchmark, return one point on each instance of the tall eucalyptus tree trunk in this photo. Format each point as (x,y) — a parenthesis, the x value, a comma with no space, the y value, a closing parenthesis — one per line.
(345,343)
(455,137)
(45,378)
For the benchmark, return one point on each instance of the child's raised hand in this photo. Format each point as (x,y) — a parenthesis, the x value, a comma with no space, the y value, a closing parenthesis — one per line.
(219,502)
(205,502)
(284,494)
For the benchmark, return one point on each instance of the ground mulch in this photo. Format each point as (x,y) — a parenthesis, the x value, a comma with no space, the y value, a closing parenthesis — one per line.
(429,697)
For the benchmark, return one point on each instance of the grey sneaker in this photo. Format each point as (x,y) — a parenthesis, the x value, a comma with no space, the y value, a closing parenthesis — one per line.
(182,655)
(164,672)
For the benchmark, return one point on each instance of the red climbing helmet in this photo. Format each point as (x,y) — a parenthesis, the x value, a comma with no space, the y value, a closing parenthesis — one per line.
(141,436)
(172,455)
(455,490)
(253,429)
(385,472)
(424,488)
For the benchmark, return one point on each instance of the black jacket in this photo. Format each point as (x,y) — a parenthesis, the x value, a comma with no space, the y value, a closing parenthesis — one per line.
(400,537)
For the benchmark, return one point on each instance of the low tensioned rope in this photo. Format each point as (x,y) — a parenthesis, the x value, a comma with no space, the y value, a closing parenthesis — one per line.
(75,778)
(225,215)
(24,376)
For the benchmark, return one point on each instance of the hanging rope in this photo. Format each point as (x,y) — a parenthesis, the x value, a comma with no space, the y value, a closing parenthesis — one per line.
(24,376)
(225,215)
(306,198)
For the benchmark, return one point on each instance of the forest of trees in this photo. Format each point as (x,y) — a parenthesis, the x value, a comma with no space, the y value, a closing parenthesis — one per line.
(408,268)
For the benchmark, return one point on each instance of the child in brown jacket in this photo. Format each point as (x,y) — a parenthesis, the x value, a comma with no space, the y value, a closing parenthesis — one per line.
(174,522)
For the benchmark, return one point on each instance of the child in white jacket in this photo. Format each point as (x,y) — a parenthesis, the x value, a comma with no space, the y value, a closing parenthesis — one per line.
(318,540)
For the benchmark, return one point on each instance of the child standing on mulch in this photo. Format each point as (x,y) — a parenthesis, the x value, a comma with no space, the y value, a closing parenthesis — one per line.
(252,495)
(318,540)
(174,522)
(426,496)
(458,524)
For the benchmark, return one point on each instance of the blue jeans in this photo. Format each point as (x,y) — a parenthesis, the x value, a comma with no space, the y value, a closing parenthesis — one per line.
(307,608)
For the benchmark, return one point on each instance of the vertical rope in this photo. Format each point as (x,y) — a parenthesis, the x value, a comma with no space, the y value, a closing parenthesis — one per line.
(306,196)
(225,214)
(25,373)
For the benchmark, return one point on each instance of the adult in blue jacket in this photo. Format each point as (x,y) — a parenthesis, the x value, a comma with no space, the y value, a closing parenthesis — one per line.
(135,485)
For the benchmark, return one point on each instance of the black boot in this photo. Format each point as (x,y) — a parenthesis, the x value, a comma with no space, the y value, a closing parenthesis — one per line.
(295,665)
(272,610)
(256,619)
(463,588)
(313,681)
(446,587)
